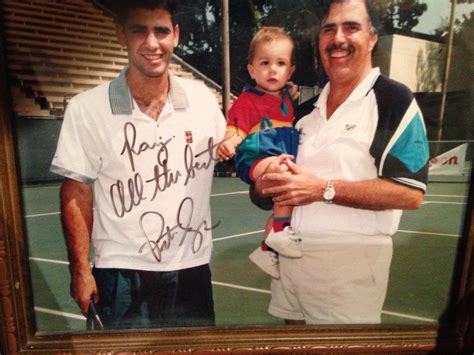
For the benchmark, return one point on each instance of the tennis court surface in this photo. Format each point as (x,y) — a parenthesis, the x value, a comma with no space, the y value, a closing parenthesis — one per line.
(422,267)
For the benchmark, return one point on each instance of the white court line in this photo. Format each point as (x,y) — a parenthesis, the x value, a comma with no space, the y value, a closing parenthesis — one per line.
(42,214)
(58,313)
(440,195)
(81,317)
(443,203)
(400,230)
(402,315)
(213,195)
(230,193)
(217,283)
(237,235)
(259,290)
(246,191)
(429,233)
(52,261)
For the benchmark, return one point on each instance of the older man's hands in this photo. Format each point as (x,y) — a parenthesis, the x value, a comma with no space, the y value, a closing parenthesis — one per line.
(291,186)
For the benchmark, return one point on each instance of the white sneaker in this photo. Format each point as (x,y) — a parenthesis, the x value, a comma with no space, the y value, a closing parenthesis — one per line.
(267,261)
(285,243)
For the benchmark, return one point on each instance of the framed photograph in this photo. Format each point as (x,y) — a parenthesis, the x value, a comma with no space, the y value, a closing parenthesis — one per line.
(51,50)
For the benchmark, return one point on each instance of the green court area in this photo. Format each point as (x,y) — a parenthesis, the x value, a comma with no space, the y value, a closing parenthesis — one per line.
(422,268)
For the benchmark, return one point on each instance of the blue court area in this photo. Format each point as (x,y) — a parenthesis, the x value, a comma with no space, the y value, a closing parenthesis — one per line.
(423,261)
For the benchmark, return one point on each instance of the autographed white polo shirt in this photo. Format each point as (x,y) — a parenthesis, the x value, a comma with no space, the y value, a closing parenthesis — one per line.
(152,179)
(340,149)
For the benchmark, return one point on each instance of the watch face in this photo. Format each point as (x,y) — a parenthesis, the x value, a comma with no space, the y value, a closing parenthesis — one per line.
(329,194)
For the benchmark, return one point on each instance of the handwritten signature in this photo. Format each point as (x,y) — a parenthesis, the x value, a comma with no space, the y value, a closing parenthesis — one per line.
(129,193)
(129,146)
(165,235)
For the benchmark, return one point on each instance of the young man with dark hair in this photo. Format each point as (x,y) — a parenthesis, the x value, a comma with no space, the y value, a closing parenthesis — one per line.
(137,157)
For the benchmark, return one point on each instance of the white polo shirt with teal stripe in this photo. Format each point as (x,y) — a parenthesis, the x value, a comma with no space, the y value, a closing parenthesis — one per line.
(377,132)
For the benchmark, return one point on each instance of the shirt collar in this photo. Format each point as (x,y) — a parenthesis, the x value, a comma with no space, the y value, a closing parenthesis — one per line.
(365,86)
(255,90)
(121,102)
(286,93)
(358,93)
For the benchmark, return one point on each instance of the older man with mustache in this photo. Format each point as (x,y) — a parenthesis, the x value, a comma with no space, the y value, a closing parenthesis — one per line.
(362,159)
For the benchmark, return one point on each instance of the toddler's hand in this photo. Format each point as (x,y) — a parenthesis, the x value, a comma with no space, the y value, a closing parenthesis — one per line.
(283,161)
(225,150)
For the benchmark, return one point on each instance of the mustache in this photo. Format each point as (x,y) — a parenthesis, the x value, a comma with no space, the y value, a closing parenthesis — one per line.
(342,46)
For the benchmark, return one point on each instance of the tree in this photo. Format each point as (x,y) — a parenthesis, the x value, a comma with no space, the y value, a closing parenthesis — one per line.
(459,101)
(200,42)
(403,15)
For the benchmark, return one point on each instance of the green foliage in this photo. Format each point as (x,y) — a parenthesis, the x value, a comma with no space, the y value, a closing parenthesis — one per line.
(200,22)
(465,32)
(407,13)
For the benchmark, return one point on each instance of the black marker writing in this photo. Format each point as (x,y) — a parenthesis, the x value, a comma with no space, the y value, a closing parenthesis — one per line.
(128,193)
(163,177)
(165,234)
(191,166)
(130,135)
(118,195)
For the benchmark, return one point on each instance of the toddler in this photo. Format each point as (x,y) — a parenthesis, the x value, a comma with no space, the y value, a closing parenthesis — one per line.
(260,129)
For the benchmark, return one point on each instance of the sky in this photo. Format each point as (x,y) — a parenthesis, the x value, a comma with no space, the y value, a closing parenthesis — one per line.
(437,11)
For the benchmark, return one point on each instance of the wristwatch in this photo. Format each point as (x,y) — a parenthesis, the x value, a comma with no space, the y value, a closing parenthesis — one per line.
(329,192)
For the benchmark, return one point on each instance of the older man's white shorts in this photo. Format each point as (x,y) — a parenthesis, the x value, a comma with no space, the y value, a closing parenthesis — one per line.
(338,280)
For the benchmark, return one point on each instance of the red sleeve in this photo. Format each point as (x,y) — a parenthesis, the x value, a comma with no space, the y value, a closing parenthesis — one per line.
(241,113)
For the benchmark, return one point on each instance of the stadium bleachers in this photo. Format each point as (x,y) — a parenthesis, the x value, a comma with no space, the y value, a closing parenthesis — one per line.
(57,49)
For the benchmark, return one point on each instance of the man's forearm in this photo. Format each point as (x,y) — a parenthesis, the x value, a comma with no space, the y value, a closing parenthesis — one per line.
(77,217)
(301,188)
(377,194)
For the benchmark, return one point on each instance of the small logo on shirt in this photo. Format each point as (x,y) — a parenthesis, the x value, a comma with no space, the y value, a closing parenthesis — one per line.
(189,136)
(350,127)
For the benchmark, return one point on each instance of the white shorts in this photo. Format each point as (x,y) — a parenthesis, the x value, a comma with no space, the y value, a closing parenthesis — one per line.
(338,280)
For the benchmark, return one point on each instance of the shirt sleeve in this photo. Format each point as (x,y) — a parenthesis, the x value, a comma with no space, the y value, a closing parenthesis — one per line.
(239,116)
(400,144)
(76,157)
(406,156)
(219,118)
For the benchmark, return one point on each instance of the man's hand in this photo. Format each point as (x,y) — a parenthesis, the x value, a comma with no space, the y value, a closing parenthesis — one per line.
(294,90)
(84,289)
(296,187)
(278,166)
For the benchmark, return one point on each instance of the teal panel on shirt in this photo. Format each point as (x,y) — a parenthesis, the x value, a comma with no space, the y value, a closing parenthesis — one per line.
(411,147)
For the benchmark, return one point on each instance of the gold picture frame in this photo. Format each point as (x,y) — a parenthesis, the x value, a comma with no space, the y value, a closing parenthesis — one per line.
(18,325)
